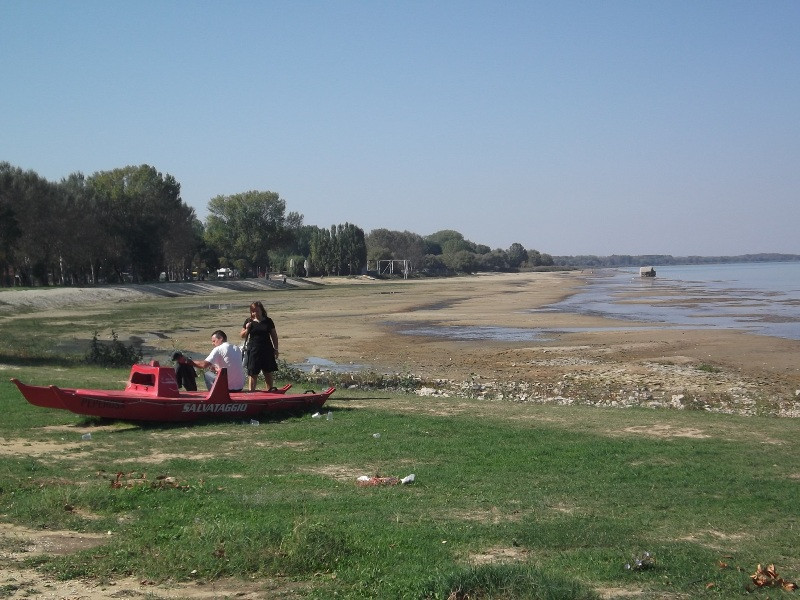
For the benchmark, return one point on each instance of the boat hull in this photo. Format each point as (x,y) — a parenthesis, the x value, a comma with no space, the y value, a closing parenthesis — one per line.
(166,404)
(187,407)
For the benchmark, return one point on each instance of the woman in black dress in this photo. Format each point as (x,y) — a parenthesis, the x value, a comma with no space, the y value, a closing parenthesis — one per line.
(262,346)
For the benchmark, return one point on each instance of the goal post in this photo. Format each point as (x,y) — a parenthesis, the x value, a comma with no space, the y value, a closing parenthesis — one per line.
(388,266)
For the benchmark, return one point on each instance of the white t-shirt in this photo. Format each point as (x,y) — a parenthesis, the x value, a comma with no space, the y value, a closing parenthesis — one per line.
(228,356)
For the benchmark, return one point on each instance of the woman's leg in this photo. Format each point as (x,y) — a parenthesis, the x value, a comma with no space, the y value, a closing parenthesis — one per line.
(251,382)
(268,379)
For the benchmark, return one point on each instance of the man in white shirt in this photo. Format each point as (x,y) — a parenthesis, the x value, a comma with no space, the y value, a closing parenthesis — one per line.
(224,355)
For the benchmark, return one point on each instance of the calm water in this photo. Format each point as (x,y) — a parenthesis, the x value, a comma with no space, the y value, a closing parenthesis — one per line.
(761,298)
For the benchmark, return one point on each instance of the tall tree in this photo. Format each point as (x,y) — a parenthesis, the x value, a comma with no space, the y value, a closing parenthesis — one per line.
(183,243)
(86,256)
(139,206)
(323,257)
(247,226)
(352,248)
(516,255)
(10,230)
(33,207)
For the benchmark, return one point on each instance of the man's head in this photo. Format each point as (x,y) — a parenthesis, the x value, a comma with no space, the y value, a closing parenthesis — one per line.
(218,337)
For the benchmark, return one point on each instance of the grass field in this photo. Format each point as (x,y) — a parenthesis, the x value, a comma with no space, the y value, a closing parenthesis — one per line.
(510,500)
(514,498)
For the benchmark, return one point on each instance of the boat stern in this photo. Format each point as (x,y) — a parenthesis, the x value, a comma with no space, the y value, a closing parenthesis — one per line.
(39,395)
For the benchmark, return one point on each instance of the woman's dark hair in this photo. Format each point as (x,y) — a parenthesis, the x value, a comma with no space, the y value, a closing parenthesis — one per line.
(260,306)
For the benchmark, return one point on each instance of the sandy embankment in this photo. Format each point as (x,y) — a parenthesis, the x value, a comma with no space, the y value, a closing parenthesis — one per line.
(634,364)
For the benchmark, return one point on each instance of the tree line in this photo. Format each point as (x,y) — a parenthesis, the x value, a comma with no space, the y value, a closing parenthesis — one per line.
(643,260)
(131,225)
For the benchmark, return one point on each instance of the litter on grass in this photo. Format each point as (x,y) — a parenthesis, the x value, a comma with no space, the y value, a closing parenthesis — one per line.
(641,562)
(768,577)
(366,480)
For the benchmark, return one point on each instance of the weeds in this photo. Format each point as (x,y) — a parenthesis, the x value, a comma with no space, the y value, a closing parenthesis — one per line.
(364,380)
(505,582)
(114,354)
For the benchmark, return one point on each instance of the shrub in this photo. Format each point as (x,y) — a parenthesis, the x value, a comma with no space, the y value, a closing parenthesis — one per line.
(115,354)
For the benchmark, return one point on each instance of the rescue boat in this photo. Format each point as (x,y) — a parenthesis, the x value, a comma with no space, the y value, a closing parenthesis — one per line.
(152,394)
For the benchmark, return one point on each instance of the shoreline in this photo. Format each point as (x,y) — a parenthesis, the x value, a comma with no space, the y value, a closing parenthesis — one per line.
(609,362)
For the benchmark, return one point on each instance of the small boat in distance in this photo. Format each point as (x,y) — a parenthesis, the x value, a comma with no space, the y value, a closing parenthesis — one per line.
(152,394)
(647,272)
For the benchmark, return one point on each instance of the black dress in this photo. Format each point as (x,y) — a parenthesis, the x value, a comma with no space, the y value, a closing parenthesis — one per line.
(260,353)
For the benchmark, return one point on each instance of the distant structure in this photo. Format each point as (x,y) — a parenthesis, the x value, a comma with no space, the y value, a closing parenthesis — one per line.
(647,272)
(386,267)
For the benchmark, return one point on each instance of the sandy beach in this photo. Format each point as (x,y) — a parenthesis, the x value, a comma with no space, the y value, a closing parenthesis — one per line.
(367,324)
(609,363)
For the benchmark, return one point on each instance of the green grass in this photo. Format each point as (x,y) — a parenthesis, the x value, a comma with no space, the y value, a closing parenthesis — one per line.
(510,500)
(562,498)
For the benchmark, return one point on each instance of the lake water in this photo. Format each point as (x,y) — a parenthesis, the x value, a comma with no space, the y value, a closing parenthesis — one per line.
(760,298)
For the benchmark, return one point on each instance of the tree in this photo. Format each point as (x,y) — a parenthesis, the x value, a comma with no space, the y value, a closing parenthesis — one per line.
(298,243)
(537,259)
(451,241)
(33,208)
(182,245)
(462,261)
(322,256)
(433,264)
(496,260)
(517,255)
(10,230)
(352,248)
(139,207)
(86,258)
(337,251)
(247,226)
(401,245)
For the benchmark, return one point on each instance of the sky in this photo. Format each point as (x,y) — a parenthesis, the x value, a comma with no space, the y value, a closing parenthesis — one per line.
(570,127)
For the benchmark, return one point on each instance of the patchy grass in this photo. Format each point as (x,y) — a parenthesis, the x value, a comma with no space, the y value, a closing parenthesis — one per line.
(509,501)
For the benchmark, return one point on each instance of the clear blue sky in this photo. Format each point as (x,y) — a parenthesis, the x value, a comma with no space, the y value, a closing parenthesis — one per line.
(597,127)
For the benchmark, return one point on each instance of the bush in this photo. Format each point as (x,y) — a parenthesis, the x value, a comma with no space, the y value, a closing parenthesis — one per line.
(115,354)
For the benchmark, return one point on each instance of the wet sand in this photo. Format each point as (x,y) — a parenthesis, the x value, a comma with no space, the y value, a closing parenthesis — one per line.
(609,362)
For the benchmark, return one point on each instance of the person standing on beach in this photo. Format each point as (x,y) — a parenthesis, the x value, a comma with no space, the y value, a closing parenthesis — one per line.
(224,355)
(262,346)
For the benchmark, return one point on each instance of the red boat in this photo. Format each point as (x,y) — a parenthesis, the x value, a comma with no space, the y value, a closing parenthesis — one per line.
(152,394)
